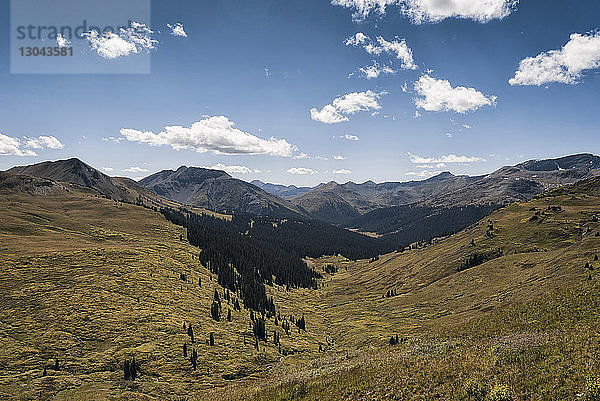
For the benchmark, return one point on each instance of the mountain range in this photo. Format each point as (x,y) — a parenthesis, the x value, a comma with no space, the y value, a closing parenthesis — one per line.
(385,208)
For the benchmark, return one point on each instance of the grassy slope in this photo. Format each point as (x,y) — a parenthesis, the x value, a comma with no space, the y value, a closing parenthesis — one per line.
(527,319)
(91,282)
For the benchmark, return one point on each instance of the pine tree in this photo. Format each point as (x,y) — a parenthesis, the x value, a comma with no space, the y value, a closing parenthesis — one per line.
(212,339)
(229,315)
(126,370)
(185,350)
(133,369)
(56,364)
(191,333)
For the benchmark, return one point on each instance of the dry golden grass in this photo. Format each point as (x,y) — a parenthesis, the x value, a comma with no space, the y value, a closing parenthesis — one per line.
(91,281)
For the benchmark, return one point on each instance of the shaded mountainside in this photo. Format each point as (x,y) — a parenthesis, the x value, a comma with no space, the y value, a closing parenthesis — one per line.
(75,171)
(218,191)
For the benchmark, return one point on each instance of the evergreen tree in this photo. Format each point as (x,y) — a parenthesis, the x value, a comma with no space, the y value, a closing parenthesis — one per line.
(56,364)
(212,339)
(229,315)
(185,350)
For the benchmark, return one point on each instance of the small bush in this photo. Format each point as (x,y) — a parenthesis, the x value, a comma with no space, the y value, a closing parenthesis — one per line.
(474,390)
(592,390)
(499,392)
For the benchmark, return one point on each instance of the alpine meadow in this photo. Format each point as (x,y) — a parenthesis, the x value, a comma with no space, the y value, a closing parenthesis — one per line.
(318,200)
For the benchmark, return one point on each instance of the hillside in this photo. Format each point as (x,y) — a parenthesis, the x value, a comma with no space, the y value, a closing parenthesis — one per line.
(93,282)
(77,172)
(218,191)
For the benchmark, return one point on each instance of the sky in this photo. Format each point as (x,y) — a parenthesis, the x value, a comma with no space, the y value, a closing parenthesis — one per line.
(304,92)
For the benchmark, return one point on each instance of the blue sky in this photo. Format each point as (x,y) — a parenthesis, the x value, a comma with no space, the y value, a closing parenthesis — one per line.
(263,66)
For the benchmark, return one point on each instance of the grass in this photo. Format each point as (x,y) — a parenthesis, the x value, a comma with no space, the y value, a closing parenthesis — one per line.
(92,282)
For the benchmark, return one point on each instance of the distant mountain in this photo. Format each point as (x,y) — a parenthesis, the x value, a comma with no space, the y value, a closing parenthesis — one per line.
(344,203)
(77,172)
(283,191)
(218,191)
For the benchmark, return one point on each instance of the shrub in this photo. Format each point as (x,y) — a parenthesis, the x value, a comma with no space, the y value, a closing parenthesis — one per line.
(474,390)
(499,392)
(592,390)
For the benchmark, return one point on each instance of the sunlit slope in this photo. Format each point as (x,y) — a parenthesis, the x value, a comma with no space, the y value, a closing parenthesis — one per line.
(91,281)
(535,248)
(525,321)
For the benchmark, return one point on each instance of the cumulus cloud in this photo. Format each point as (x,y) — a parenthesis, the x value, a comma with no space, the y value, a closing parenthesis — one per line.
(11,146)
(420,11)
(439,95)
(342,171)
(451,158)
(349,137)
(582,52)
(216,134)
(177,29)
(397,48)
(339,157)
(135,169)
(62,41)
(132,40)
(423,173)
(42,142)
(302,171)
(233,169)
(346,105)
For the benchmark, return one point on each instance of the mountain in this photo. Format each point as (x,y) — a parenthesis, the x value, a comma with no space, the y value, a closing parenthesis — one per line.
(75,171)
(343,203)
(94,284)
(218,191)
(283,191)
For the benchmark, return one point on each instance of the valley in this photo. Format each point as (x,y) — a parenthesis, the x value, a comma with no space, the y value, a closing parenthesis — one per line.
(91,282)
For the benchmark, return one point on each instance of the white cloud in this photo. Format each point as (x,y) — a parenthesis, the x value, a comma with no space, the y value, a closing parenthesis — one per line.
(449,135)
(342,171)
(135,169)
(451,158)
(302,156)
(128,41)
(302,171)
(424,173)
(439,95)
(339,157)
(108,169)
(364,7)
(421,11)
(346,105)
(582,52)
(177,30)
(396,47)
(42,142)
(215,134)
(350,137)
(111,139)
(233,169)
(358,39)
(10,146)
(375,70)
(62,41)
